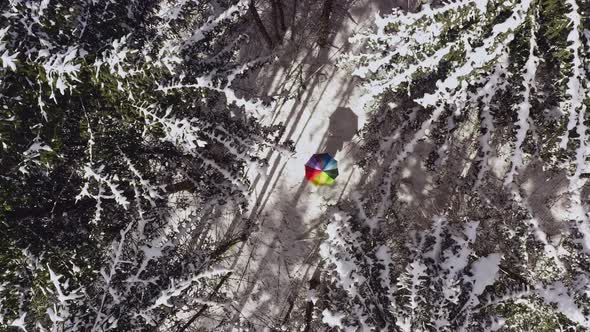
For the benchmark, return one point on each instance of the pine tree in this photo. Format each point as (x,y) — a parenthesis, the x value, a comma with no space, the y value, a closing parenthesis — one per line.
(121,143)
(455,87)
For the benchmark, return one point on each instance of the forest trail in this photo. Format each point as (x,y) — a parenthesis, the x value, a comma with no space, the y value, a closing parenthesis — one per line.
(276,263)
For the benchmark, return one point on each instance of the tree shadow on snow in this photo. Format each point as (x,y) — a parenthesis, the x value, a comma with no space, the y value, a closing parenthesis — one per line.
(298,81)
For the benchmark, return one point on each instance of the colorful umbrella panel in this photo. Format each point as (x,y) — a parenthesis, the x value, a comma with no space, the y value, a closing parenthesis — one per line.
(321,169)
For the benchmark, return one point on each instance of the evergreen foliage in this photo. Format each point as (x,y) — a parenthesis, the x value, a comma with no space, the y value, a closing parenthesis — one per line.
(478,92)
(121,143)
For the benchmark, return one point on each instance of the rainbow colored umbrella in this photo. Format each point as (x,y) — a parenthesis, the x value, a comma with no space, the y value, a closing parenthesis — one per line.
(321,169)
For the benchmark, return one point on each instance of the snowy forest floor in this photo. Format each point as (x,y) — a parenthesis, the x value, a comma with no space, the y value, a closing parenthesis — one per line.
(278,260)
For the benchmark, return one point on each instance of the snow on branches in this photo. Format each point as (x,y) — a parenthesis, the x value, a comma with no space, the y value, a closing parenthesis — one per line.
(445,279)
(467,98)
(122,139)
(491,58)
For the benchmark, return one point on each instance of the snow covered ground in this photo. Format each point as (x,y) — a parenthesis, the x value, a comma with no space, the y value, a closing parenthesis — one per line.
(282,254)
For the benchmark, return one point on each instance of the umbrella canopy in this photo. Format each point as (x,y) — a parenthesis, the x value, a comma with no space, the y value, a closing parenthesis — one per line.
(321,169)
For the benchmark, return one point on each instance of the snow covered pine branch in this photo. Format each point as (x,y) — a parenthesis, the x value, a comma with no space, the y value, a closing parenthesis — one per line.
(122,143)
(468,98)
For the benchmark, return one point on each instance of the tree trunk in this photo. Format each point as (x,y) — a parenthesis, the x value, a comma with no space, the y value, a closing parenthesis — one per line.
(314,284)
(281,15)
(260,25)
(293,19)
(325,23)
(275,21)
